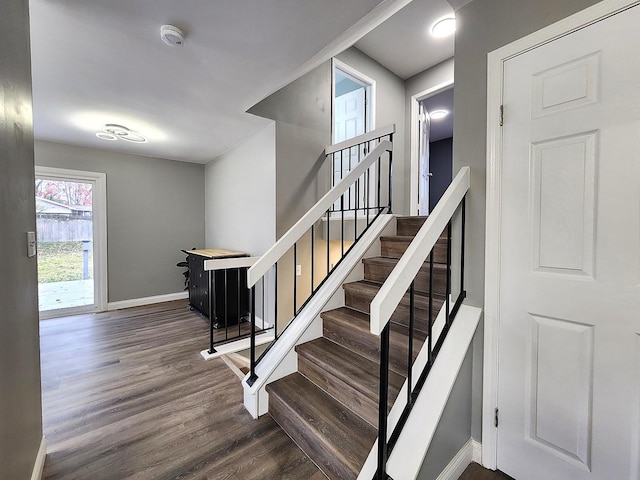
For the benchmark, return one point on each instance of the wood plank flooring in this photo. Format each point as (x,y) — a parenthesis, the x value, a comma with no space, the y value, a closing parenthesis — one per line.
(476,472)
(126,395)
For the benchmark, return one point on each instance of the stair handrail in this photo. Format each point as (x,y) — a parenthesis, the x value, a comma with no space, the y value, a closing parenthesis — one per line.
(271,256)
(398,282)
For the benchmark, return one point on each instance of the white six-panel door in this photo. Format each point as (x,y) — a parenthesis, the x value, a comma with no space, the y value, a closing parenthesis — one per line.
(569,308)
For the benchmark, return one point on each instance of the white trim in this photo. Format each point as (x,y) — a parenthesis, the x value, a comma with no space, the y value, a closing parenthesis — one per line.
(99,218)
(227,263)
(495,69)
(38,466)
(397,283)
(238,346)
(414,191)
(476,456)
(458,463)
(138,302)
(260,268)
(370,93)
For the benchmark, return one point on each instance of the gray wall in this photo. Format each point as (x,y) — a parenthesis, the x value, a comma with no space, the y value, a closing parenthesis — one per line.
(302,111)
(240,196)
(155,207)
(483,26)
(454,428)
(20,405)
(389,108)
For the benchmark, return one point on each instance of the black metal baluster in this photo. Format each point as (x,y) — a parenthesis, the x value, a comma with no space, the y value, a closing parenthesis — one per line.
(239,313)
(462,245)
(252,350)
(448,273)
(313,255)
(410,352)
(328,242)
(430,326)
(211,312)
(367,187)
(226,306)
(390,175)
(383,407)
(275,304)
(379,163)
(342,232)
(263,316)
(295,279)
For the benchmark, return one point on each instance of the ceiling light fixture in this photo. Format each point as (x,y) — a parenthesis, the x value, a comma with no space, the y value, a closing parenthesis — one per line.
(112,131)
(444,27)
(438,114)
(106,136)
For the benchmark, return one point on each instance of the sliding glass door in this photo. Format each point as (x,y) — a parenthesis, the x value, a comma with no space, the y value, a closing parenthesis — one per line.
(70,217)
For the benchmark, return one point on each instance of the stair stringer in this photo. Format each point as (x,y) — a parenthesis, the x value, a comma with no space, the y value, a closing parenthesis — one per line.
(408,454)
(282,360)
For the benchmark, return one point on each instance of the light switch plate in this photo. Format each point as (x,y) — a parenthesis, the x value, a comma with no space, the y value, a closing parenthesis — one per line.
(31,244)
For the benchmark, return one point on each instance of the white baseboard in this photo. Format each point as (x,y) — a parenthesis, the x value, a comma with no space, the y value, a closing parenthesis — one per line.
(138,302)
(477,451)
(38,466)
(470,452)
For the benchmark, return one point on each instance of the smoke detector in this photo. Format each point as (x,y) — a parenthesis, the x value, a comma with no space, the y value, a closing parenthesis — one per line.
(171,35)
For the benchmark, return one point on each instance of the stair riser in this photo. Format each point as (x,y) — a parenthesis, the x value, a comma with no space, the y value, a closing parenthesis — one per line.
(409,225)
(365,407)
(368,344)
(359,301)
(396,248)
(379,273)
(314,446)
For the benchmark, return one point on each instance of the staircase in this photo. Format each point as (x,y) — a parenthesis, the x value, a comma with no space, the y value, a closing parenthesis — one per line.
(330,406)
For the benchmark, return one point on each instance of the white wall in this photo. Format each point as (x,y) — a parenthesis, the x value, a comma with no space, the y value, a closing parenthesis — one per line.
(240,196)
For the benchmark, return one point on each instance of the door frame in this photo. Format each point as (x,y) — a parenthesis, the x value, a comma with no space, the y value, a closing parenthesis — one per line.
(495,82)
(414,176)
(99,216)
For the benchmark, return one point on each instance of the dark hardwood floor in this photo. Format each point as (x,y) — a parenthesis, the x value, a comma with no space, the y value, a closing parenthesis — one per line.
(126,395)
(477,472)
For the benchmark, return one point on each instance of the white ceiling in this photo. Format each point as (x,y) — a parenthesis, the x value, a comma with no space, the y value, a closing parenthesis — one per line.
(96,62)
(404,44)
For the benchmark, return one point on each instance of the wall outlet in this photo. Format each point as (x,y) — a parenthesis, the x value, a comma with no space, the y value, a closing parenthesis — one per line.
(298,270)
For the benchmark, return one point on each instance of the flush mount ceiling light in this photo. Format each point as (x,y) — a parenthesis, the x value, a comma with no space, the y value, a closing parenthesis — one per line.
(438,114)
(111,131)
(444,27)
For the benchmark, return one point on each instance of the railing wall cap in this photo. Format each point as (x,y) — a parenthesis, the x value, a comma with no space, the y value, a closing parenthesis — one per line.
(365,137)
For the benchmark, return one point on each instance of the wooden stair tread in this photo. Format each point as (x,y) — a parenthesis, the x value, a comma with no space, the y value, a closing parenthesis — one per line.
(350,328)
(392,262)
(347,365)
(377,269)
(336,439)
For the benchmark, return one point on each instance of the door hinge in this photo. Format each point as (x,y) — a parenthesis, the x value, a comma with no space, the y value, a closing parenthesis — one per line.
(496,419)
(501,115)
